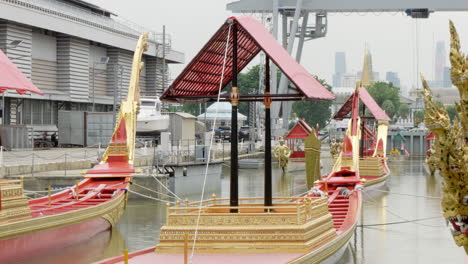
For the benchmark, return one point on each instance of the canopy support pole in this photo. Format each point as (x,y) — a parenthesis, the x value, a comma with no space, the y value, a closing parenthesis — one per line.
(362,130)
(234,97)
(267,102)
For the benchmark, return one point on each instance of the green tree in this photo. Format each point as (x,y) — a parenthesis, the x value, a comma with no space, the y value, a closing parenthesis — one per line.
(382,91)
(452,112)
(314,112)
(418,116)
(403,111)
(248,83)
(389,108)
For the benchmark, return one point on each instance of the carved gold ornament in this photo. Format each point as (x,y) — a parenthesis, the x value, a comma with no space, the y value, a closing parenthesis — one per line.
(450,149)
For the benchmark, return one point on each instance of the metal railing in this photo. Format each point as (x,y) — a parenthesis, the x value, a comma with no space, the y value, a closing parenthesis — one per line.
(6,184)
(300,208)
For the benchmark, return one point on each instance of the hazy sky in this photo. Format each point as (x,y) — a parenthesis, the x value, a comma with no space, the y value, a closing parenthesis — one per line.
(391,38)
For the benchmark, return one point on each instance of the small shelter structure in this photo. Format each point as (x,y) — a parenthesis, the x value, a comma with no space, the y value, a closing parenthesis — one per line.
(236,43)
(295,139)
(11,78)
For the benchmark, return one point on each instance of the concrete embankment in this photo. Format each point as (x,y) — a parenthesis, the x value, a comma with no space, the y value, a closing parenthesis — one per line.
(17,163)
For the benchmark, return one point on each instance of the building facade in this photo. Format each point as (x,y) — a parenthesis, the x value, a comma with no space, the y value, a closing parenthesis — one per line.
(340,68)
(439,63)
(79,55)
(393,78)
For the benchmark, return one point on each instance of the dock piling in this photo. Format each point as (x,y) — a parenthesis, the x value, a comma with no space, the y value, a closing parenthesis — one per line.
(125,256)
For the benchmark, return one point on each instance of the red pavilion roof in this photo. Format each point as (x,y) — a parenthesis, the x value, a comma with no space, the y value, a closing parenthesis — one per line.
(202,76)
(368,101)
(12,78)
(430,136)
(300,130)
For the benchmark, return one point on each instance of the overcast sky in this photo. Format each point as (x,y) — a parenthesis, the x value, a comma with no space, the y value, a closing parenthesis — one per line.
(391,38)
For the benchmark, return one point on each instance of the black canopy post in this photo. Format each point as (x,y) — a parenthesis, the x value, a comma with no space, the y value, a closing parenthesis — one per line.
(234,97)
(267,102)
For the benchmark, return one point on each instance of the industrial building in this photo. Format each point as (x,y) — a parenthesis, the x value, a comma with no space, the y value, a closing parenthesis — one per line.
(79,55)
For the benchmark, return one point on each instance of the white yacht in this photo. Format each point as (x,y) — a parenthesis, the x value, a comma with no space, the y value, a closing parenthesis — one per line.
(150,118)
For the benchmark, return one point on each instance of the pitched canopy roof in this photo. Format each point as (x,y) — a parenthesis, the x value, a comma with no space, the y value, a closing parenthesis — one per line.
(11,78)
(300,130)
(201,78)
(368,101)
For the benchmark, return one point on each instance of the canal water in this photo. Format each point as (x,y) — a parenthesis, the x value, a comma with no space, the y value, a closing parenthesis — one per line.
(388,232)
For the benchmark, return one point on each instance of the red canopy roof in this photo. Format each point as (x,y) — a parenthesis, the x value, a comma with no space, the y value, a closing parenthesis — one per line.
(368,101)
(300,130)
(430,136)
(202,76)
(11,78)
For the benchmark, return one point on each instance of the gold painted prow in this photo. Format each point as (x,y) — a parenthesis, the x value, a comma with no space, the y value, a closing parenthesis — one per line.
(129,109)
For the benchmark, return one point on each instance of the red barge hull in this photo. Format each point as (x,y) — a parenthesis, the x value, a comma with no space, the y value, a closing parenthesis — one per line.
(25,247)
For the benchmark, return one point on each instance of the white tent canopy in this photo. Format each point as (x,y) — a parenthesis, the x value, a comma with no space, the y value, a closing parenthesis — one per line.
(223,113)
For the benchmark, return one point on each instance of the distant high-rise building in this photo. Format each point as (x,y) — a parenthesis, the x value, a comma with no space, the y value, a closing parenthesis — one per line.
(447,82)
(349,80)
(340,62)
(393,78)
(440,57)
(337,79)
(340,68)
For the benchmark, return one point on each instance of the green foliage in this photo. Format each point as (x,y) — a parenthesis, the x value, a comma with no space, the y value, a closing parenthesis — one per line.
(388,107)
(418,116)
(381,92)
(452,112)
(403,111)
(314,112)
(248,83)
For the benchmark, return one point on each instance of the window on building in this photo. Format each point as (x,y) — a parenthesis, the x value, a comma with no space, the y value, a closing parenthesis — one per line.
(26,120)
(47,113)
(36,112)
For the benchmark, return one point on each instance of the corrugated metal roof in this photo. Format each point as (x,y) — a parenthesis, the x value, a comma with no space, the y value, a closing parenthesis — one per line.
(12,78)
(202,76)
(93,7)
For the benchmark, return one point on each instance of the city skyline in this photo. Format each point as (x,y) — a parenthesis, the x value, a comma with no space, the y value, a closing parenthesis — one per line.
(398,43)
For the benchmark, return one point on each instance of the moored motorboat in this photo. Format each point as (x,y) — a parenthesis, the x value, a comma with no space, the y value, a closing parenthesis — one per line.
(75,214)
(150,119)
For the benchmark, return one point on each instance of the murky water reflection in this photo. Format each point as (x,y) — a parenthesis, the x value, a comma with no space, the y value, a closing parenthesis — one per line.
(426,241)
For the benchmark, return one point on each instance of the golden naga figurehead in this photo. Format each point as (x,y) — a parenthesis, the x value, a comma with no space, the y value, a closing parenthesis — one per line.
(450,149)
